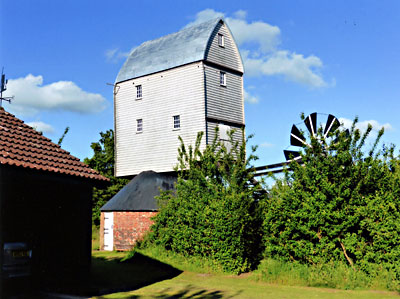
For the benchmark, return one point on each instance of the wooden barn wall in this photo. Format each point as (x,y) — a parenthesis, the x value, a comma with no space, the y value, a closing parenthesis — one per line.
(224,102)
(52,213)
(228,55)
(178,91)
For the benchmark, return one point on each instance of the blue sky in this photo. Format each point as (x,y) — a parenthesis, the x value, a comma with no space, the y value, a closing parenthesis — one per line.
(339,57)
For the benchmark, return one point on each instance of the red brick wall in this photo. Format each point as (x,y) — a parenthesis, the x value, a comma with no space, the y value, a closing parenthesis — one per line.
(130,227)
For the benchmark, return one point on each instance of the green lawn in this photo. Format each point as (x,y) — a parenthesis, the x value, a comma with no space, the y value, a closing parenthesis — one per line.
(149,278)
(195,285)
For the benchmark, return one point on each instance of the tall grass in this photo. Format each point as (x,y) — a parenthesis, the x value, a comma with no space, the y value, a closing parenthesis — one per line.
(331,275)
(179,261)
(95,237)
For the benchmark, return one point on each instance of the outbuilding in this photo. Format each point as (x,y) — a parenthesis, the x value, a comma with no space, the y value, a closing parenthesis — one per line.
(126,217)
(45,208)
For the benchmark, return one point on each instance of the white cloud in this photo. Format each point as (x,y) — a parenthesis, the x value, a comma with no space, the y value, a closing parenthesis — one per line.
(250,98)
(363,125)
(266,145)
(205,15)
(259,45)
(264,36)
(31,96)
(41,127)
(115,55)
(291,66)
(240,14)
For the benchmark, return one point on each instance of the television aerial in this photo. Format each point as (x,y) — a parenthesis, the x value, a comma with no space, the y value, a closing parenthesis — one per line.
(3,87)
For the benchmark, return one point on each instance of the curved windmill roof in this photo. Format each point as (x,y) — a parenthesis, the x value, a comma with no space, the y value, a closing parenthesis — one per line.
(183,47)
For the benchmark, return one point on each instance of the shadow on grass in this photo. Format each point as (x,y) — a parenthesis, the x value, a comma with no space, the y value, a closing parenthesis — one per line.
(189,292)
(110,275)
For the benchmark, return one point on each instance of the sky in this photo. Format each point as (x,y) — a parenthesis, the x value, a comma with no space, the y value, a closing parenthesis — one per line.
(331,57)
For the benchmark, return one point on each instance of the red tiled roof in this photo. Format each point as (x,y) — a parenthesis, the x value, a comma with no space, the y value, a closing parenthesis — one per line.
(21,145)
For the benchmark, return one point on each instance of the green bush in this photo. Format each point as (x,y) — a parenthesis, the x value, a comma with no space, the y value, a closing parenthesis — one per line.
(214,212)
(341,205)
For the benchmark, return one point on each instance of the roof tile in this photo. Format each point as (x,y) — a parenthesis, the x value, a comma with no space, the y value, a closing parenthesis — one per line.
(23,146)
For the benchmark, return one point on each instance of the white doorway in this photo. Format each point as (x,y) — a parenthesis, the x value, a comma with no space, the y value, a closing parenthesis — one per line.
(108,231)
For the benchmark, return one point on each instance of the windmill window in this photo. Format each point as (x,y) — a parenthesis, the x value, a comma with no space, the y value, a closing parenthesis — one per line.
(139,125)
(177,122)
(221,40)
(222,78)
(223,132)
(138,92)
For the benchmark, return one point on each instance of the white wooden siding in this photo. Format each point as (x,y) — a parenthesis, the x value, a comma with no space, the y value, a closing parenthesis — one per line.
(179,91)
(224,102)
(237,135)
(228,55)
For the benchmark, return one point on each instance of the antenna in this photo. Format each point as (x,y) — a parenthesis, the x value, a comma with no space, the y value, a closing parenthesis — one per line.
(3,87)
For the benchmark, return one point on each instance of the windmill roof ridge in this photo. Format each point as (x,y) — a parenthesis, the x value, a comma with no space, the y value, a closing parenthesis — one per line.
(161,54)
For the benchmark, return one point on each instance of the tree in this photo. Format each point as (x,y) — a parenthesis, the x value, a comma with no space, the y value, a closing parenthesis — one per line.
(213,213)
(342,204)
(103,162)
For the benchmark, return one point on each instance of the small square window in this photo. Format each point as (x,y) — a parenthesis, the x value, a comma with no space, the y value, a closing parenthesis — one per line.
(177,121)
(221,41)
(139,125)
(222,78)
(138,91)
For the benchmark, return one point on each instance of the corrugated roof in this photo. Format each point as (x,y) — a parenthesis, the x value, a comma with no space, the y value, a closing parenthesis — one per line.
(139,193)
(183,47)
(23,146)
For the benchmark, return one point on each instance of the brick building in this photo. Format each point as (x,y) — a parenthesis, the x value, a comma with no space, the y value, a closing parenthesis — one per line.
(127,216)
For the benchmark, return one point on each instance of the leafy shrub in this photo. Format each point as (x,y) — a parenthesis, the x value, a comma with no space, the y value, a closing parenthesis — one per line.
(213,213)
(342,205)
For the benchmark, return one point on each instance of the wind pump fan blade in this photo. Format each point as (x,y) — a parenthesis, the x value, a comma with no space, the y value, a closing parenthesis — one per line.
(331,125)
(296,137)
(347,134)
(289,155)
(311,123)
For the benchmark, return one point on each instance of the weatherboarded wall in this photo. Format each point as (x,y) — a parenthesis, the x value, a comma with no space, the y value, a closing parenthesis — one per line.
(211,126)
(178,91)
(224,102)
(228,55)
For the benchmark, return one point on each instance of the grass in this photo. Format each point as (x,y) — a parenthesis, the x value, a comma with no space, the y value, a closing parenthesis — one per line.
(111,271)
(331,275)
(193,281)
(95,237)
(184,263)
